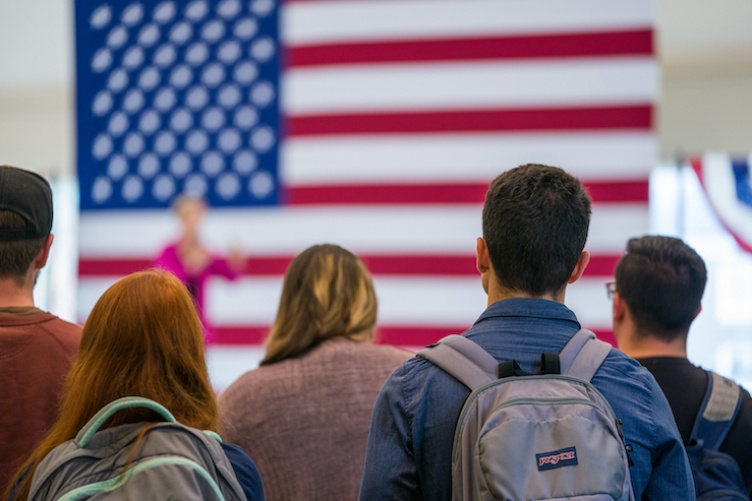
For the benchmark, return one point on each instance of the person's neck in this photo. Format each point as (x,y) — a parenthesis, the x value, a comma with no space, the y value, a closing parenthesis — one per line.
(497,293)
(189,238)
(13,295)
(648,346)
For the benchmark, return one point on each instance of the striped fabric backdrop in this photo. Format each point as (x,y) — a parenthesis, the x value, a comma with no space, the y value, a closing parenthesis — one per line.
(395,116)
(727,182)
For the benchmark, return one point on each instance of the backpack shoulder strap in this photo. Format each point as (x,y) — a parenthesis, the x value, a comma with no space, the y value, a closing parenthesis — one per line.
(583,355)
(463,359)
(91,427)
(723,399)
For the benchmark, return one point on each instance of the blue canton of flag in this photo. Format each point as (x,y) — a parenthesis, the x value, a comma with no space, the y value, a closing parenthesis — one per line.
(177,97)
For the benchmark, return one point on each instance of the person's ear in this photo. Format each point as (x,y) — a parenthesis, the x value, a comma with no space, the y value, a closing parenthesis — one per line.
(619,308)
(44,253)
(699,309)
(579,267)
(482,260)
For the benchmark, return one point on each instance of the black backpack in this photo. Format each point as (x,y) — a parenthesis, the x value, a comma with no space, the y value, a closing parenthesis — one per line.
(717,475)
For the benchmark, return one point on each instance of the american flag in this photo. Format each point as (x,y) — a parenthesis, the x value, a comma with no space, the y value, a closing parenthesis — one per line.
(373,124)
(727,182)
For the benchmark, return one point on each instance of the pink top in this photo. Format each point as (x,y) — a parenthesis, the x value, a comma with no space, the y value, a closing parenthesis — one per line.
(170,261)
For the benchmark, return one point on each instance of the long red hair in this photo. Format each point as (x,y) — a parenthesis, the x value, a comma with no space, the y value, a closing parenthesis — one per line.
(142,338)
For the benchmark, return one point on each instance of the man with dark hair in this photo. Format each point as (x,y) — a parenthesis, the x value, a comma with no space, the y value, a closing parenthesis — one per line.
(659,285)
(36,347)
(535,224)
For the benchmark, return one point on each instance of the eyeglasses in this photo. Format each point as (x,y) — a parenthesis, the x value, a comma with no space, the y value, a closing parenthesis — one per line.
(610,289)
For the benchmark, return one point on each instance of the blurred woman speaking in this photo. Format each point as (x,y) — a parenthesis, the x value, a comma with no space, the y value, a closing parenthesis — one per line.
(192,262)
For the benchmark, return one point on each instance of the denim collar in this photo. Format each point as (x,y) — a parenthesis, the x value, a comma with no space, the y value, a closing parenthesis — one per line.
(532,308)
(530,325)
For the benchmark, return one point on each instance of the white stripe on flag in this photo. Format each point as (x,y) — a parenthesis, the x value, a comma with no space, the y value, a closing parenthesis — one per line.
(413,230)
(470,85)
(337,21)
(404,301)
(478,157)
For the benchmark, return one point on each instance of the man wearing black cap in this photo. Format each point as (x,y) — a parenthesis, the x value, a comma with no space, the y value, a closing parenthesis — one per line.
(36,347)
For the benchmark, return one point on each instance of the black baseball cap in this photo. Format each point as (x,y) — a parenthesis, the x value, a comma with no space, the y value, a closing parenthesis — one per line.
(28,195)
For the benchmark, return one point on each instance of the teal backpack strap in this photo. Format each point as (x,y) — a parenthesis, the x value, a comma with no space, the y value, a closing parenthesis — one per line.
(110,409)
(214,435)
(107,486)
(463,359)
(583,355)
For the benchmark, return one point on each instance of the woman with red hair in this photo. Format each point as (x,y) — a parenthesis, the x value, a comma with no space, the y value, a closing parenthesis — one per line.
(142,338)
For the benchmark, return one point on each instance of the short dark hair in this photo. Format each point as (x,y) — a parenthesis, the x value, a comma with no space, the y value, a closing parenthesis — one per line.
(662,280)
(535,224)
(16,256)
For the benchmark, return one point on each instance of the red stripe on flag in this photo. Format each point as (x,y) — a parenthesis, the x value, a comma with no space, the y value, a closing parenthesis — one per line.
(415,336)
(613,43)
(240,334)
(618,191)
(601,265)
(113,267)
(696,164)
(393,335)
(455,193)
(605,117)
(606,335)
(402,194)
(93,267)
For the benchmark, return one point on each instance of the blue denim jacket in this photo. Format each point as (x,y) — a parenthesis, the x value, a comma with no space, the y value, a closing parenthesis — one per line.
(410,441)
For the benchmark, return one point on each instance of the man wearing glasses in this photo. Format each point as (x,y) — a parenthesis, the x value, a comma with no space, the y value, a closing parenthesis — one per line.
(656,297)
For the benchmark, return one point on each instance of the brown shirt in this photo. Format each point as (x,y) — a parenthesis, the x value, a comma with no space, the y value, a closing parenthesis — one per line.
(36,350)
(304,421)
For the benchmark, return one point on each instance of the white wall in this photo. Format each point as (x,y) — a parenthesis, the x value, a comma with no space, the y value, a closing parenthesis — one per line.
(36,75)
(706,113)
(706,57)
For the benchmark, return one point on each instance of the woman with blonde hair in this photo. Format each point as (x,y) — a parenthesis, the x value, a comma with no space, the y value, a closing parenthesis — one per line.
(143,338)
(304,414)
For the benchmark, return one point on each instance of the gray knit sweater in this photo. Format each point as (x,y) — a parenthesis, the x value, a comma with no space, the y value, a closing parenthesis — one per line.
(304,421)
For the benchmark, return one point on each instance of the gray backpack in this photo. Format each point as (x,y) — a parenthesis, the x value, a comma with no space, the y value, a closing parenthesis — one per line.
(172,461)
(534,437)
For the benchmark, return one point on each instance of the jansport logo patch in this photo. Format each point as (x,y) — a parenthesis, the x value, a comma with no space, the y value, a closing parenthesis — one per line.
(556,459)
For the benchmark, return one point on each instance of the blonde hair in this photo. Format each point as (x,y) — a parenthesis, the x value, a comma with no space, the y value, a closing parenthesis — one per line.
(143,337)
(327,293)
(183,201)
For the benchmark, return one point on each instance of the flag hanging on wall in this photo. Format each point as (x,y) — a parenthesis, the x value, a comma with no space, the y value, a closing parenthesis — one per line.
(727,183)
(373,124)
